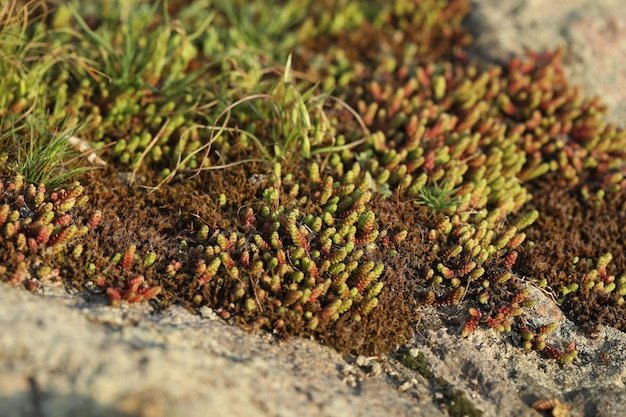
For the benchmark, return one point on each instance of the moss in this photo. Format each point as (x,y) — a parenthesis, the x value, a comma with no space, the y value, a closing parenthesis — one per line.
(236,180)
(572,235)
(454,400)
(415,363)
(441,382)
(459,405)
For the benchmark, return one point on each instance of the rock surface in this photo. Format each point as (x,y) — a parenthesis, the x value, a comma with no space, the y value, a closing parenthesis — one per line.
(62,356)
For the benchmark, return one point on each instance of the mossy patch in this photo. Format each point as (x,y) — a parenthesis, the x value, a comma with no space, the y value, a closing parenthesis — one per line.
(455,401)
(458,405)
(582,230)
(415,363)
(310,168)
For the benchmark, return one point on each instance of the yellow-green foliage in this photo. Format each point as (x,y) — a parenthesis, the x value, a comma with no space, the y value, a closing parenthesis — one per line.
(332,151)
(303,270)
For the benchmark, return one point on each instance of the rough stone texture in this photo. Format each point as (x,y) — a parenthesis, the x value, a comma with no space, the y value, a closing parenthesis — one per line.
(504,380)
(61,356)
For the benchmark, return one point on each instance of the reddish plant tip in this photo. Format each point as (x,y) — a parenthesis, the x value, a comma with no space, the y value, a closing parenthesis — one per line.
(133,293)
(94,220)
(510,260)
(565,357)
(558,407)
(471,322)
(128,258)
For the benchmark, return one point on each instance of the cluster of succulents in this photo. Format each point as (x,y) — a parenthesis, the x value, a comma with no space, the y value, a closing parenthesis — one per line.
(305,257)
(583,261)
(134,290)
(36,223)
(136,90)
(563,132)
(468,142)
(422,140)
(421,163)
